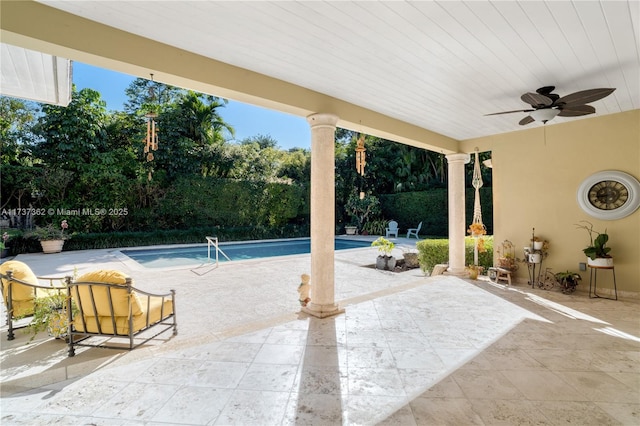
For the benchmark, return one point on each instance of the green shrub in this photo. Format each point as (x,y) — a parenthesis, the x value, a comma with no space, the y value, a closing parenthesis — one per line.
(376,227)
(432,252)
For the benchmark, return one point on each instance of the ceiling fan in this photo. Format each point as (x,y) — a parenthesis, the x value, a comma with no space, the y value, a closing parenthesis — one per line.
(547,105)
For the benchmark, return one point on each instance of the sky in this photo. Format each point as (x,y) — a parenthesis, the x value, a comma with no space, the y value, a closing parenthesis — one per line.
(288,130)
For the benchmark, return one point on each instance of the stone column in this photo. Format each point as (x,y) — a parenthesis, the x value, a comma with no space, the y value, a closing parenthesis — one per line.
(323,200)
(457,226)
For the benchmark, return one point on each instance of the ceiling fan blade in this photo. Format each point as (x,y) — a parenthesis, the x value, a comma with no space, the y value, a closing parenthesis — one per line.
(576,110)
(536,100)
(584,97)
(528,119)
(510,112)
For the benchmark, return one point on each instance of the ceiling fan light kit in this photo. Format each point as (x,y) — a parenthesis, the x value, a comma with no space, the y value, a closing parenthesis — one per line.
(547,105)
(544,115)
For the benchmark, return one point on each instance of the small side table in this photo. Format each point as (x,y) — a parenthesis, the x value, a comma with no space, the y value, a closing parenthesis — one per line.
(593,279)
(498,275)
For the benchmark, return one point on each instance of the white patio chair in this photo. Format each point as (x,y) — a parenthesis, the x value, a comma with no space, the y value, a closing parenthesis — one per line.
(392,229)
(414,231)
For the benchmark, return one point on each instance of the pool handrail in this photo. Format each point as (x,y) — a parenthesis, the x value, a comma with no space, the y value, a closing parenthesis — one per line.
(213,241)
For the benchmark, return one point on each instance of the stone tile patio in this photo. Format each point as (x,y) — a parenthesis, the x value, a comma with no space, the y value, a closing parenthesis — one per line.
(409,350)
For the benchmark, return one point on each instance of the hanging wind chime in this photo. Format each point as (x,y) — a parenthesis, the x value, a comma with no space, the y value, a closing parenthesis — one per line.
(477,228)
(151,140)
(361,159)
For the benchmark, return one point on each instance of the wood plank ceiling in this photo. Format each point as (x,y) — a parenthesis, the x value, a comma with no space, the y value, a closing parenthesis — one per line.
(438,65)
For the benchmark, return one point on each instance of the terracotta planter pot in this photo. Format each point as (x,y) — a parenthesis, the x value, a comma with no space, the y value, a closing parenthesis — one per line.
(52,246)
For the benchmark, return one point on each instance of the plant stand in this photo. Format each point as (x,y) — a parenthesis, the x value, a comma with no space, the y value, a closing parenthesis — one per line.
(593,278)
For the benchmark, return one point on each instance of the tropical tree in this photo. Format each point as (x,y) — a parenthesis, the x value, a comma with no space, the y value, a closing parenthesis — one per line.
(17,118)
(71,136)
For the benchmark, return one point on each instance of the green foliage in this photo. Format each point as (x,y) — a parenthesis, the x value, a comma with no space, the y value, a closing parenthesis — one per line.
(485,259)
(384,246)
(411,208)
(50,232)
(596,247)
(47,309)
(71,136)
(229,202)
(432,252)
(430,207)
(361,210)
(375,227)
(182,236)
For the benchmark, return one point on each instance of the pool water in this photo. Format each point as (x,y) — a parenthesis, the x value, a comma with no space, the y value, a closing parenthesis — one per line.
(193,255)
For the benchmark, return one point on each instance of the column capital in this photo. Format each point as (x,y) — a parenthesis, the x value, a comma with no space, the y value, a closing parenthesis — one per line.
(322,120)
(458,158)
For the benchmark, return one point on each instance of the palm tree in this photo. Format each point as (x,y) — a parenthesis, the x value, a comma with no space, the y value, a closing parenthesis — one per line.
(203,123)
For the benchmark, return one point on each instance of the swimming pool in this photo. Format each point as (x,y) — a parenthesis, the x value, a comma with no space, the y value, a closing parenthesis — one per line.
(194,255)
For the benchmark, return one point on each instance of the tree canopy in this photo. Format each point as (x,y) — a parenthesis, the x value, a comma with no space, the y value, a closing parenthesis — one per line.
(83,156)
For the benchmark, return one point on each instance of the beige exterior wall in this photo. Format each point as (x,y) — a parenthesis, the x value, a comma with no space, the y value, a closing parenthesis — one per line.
(536,174)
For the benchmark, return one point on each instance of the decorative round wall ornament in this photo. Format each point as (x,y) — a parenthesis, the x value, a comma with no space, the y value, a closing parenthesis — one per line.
(609,195)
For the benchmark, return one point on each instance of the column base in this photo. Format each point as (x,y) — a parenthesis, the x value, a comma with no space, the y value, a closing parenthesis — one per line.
(322,311)
(457,272)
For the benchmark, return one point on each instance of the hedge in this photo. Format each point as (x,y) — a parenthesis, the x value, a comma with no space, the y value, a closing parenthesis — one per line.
(431,207)
(432,252)
(88,241)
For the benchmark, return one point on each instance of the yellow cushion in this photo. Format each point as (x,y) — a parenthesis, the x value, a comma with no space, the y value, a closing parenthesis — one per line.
(157,312)
(105,297)
(19,292)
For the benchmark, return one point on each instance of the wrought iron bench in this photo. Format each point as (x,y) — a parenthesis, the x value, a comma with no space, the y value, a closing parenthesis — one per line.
(21,289)
(105,304)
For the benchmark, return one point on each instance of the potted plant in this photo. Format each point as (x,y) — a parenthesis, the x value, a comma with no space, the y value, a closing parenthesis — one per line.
(568,280)
(384,261)
(49,313)
(4,250)
(351,229)
(477,230)
(473,271)
(410,258)
(361,209)
(537,243)
(51,238)
(597,253)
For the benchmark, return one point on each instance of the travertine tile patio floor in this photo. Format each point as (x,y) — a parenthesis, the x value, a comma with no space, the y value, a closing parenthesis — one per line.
(408,350)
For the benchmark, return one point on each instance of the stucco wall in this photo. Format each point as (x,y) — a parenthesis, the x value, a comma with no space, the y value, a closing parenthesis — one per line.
(536,174)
